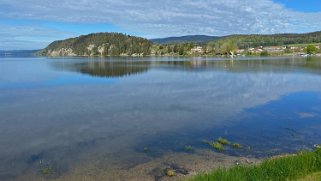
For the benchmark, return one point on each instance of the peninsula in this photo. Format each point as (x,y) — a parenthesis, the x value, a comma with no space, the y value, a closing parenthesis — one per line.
(117,44)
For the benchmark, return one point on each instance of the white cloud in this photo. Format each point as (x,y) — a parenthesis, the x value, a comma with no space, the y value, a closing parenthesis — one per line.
(156,18)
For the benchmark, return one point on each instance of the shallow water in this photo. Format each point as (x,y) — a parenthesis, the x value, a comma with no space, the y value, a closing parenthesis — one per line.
(58,114)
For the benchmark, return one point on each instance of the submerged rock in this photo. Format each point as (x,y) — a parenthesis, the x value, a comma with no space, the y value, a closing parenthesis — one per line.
(170,172)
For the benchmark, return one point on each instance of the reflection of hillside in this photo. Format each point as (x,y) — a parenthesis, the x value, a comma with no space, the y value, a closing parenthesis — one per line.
(127,68)
(109,69)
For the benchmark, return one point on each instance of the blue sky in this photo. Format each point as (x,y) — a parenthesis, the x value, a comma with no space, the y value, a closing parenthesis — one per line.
(33,24)
(301,5)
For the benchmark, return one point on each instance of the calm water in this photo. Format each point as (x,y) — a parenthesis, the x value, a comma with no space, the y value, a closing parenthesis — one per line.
(66,112)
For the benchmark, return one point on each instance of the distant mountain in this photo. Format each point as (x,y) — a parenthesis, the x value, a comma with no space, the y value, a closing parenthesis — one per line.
(201,39)
(18,53)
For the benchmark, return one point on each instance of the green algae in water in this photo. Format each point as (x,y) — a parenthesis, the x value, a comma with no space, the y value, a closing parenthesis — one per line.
(218,146)
(146,149)
(236,145)
(46,170)
(223,141)
(188,148)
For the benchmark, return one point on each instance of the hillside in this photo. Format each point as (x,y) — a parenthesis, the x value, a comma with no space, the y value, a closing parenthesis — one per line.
(198,39)
(246,41)
(117,44)
(99,44)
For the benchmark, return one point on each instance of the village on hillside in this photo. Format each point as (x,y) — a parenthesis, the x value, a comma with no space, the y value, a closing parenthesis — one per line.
(300,50)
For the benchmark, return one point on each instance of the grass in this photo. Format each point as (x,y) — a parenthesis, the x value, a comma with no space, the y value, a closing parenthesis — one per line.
(284,168)
(312,177)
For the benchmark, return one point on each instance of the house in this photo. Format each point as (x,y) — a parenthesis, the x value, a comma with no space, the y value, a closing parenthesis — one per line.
(294,48)
(256,50)
(197,50)
(275,49)
(239,51)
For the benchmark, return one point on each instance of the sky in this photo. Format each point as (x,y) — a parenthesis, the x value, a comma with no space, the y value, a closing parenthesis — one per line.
(33,24)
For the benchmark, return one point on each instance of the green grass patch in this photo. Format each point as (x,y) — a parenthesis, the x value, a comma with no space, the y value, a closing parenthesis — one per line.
(312,177)
(283,168)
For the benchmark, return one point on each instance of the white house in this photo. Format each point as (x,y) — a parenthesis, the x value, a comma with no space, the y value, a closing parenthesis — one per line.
(197,50)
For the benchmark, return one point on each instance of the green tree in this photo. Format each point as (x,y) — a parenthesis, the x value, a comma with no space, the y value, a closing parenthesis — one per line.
(311,49)
(181,50)
(264,53)
(113,44)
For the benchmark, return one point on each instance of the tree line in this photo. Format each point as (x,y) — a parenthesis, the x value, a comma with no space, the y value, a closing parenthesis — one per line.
(102,44)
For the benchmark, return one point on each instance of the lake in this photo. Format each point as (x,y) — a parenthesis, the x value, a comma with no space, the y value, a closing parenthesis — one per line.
(133,118)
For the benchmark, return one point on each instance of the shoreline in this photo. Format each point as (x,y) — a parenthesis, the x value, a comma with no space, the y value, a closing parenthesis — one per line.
(299,166)
(196,166)
(142,168)
(189,56)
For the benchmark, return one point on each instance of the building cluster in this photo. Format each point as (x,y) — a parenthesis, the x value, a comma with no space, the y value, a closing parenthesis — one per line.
(258,50)
(197,50)
(270,49)
(275,49)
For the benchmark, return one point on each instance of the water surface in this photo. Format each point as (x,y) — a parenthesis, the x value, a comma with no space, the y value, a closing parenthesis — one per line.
(60,113)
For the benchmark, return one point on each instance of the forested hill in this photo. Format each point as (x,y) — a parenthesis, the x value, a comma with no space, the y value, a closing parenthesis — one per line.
(246,41)
(117,44)
(198,39)
(99,44)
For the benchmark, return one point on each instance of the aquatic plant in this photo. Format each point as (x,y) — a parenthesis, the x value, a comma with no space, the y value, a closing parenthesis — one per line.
(218,146)
(46,170)
(206,142)
(146,149)
(223,141)
(188,148)
(236,145)
(291,167)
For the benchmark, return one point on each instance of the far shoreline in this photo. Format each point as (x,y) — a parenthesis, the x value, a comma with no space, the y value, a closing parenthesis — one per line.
(192,57)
